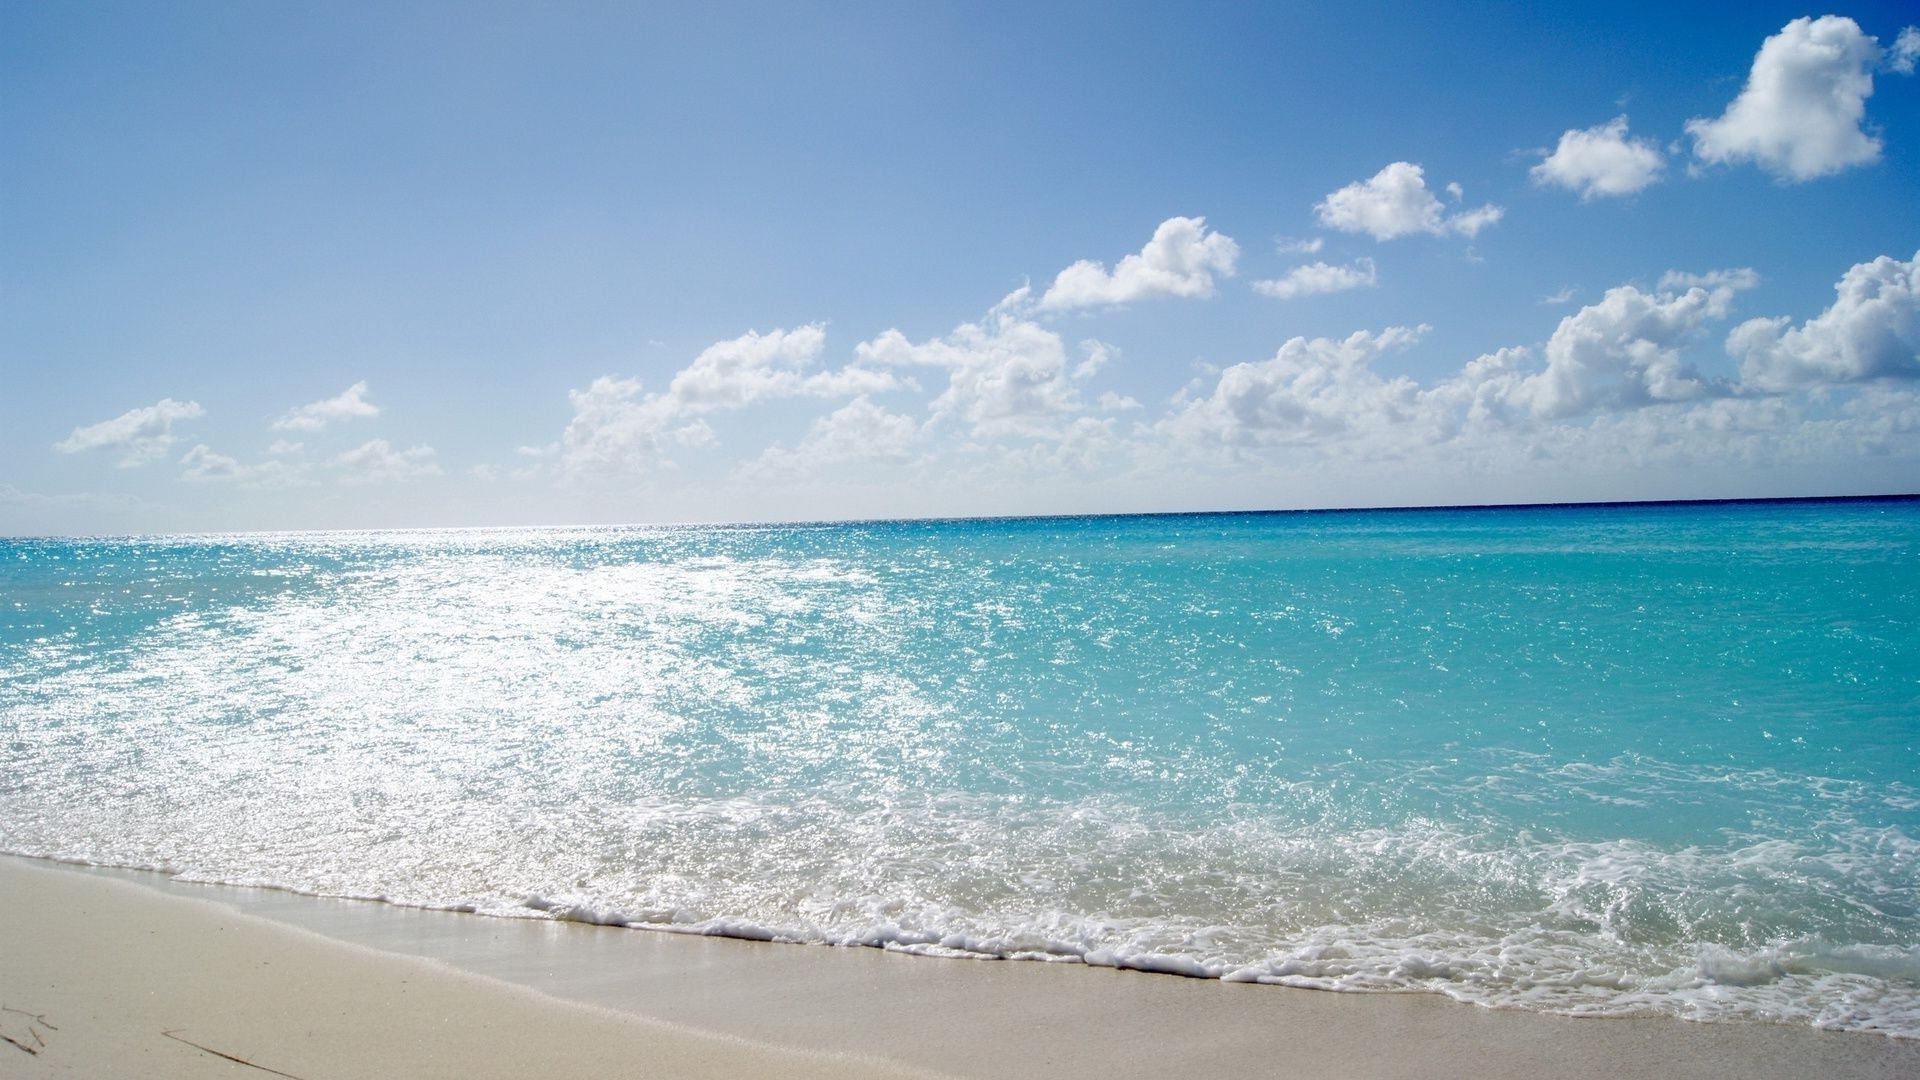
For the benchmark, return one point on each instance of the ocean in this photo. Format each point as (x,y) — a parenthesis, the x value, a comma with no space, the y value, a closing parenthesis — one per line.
(1612,760)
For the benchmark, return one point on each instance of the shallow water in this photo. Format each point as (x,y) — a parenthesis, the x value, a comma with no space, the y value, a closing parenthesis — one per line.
(1593,760)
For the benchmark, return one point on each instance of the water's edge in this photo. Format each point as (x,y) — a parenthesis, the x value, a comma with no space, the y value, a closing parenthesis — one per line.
(991,1020)
(393,926)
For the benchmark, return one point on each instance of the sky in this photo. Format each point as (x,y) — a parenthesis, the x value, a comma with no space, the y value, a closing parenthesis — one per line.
(298,266)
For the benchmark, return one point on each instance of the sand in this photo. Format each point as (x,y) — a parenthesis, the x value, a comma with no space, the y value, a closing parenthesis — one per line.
(101,971)
(321,988)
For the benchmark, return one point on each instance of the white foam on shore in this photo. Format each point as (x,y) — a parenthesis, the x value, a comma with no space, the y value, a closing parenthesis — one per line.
(1857,988)
(1615,928)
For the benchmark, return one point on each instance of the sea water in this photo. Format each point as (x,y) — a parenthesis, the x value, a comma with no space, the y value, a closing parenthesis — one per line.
(1591,760)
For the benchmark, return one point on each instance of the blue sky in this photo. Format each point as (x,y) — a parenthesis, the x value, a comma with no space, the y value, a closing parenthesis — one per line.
(324,266)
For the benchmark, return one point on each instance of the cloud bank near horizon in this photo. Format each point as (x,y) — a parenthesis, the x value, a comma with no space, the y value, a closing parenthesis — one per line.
(1617,380)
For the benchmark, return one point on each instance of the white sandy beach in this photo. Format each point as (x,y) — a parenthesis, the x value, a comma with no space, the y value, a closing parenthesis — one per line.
(110,964)
(108,977)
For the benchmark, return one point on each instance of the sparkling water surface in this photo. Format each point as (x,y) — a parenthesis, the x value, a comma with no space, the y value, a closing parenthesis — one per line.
(1605,760)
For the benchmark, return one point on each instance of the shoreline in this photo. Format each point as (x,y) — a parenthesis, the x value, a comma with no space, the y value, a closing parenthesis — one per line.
(383,989)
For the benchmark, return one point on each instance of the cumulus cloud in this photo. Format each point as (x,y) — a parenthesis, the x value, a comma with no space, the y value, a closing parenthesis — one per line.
(859,431)
(1608,395)
(1622,354)
(1906,48)
(377,462)
(1625,350)
(1601,161)
(760,367)
(349,404)
(1470,222)
(1180,261)
(1800,114)
(1871,331)
(1319,277)
(1082,448)
(201,465)
(1288,245)
(1310,390)
(1006,375)
(1396,202)
(618,425)
(138,435)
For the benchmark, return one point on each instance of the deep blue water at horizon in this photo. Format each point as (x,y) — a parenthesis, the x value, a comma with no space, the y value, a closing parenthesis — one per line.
(1599,760)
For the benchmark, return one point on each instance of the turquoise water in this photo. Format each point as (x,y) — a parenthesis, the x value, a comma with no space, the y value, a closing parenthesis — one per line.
(1606,760)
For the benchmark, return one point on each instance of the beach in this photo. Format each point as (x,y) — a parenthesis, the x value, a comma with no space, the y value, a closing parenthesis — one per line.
(111,963)
(672,540)
(110,978)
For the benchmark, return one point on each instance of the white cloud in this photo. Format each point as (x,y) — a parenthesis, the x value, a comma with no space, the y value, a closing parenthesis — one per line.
(1607,399)
(1310,390)
(1005,375)
(1906,48)
(139,435)
(1744,433)
(1738,279)
(759,367)
(203,466)
(1871,331)
(1624,351)
(1180,261)
(1319,277)
(349,404)
(613,423)
(1601,161)
(1081,448)
(1800,114)
(1287,245)
(377,462)
(282,447)
(858,431)
(1396,202)
(619,426)
(1565,295)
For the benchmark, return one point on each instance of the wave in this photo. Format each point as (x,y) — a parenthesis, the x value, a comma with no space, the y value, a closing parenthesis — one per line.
(1600,941)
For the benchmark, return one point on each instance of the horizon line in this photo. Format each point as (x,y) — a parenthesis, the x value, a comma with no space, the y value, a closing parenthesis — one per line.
(1587,504)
